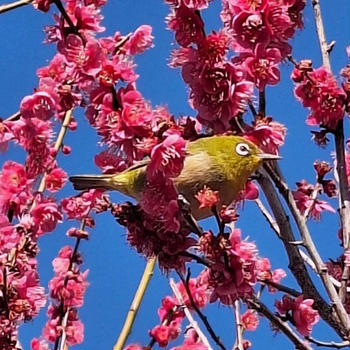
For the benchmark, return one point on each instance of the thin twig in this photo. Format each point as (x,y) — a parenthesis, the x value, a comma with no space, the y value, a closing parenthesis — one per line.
(135,305)
(188,314)
(12,255)
(259,306)
(239,327)
(219,222)
(64,333)
(58,144)
(61,340)
(252,109)
(262,103)
(65,15)
(268,216)
(185,209)
(321,34)
(121,43)
(293,60)
(13,117)
(13,5)
(260,291)
(330,344)
(199,313)
(198,259)
(344,201)
(282,288)
(307,259)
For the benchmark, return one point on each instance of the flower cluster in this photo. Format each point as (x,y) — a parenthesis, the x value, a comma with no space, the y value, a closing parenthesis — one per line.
(79,207)
(250,320)
(25,211)
(67,289)
(258,32)
(219,90)
(265,273)
(207,198)
(22,296)
(329,187)
(191,342)
(233,271)
(98,74)
(318,90)
(262,25)
(171,313)
(306,200)
(151,236)
(24,216)
(300,311)
(268,134)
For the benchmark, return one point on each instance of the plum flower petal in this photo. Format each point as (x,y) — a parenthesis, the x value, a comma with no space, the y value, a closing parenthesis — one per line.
(207,198)
(56,179)
(40,105)
(250,320)
(167,157)
(140,40)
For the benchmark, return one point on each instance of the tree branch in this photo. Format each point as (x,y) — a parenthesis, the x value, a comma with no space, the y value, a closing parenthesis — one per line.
(58,144)
(296,262)
(185,209)
(13,5)
(13,117)
(321,34)
(344,201)
(198,259)
(262,103)
(134,307)
(311,248)
(65,15)
(259,306)
(239,327)
(330,344)
(282,288)
(188,314)
(61,340)
(344,190)
(269,218)
(199,313)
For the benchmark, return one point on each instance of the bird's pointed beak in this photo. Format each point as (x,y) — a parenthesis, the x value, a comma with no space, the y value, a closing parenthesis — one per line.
(268,156)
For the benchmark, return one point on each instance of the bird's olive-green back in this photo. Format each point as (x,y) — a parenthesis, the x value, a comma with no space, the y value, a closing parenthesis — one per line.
(211,161)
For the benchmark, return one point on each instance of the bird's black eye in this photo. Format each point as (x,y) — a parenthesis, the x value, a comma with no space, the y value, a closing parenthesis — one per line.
(242,149)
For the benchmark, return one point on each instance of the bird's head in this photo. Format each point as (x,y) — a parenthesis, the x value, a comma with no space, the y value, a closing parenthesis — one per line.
(239,156)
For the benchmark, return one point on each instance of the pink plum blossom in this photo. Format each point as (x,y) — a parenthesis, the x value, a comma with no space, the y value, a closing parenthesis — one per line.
(55,180)
(140,40)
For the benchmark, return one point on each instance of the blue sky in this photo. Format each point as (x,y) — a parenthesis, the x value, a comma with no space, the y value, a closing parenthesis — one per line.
(114,267)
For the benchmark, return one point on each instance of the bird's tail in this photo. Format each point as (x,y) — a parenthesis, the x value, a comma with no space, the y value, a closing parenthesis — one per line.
(86,182)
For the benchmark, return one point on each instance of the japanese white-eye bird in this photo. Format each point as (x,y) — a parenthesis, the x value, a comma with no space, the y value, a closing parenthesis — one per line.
(222,163)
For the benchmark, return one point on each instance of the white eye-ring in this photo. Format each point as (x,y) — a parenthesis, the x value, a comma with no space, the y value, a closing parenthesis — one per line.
(242,149)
